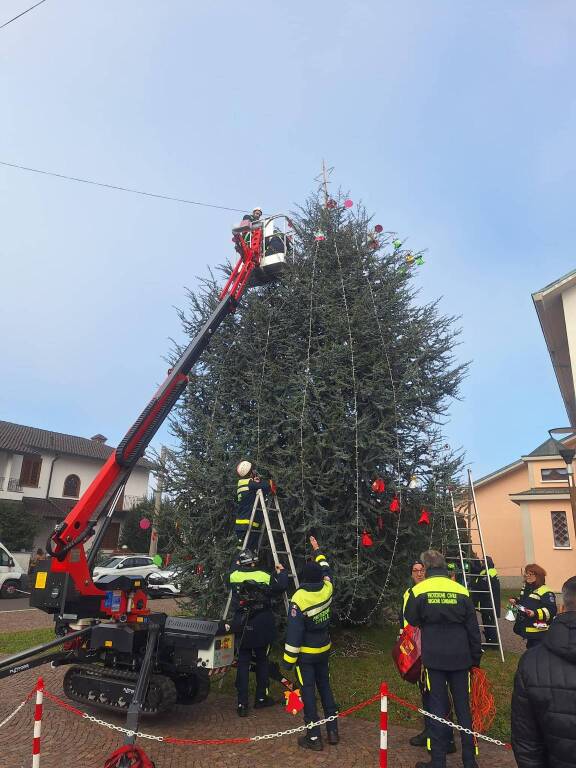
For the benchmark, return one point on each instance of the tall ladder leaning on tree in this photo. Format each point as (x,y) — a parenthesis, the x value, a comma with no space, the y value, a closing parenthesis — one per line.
(277,541)
(469,541)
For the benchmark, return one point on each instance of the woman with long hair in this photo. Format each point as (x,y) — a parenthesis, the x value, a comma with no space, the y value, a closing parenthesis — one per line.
(536,606)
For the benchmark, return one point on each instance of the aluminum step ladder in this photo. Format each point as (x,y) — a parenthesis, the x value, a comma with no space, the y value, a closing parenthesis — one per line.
(469,539)
(274,530)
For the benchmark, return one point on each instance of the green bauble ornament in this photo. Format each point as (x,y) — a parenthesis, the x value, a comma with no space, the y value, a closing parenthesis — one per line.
(157,560)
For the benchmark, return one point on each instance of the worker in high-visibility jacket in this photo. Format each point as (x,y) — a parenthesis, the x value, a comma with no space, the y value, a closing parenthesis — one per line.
(308,646)
(422,739)
(485,576)
(253,590)
(536,606)
(451,646)
(249,483)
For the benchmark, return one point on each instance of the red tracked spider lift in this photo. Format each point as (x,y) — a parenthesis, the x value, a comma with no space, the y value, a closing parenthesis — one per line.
(125,657)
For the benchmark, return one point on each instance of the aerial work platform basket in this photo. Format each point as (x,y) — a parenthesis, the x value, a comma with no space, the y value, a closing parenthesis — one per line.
(268,241)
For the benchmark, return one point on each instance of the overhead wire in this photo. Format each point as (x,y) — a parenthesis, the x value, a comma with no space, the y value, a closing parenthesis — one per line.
(118,188)
(21,14)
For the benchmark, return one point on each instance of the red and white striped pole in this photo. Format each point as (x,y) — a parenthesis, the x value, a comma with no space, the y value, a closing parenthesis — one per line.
(37,723)
(383,725)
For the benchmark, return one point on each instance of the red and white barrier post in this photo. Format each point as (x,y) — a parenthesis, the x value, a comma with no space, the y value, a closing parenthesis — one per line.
(37,723)
(383,725)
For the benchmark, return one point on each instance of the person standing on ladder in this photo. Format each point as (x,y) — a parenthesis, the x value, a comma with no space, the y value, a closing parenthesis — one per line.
(308,646)
(248,486)
(253,622)
(483,602)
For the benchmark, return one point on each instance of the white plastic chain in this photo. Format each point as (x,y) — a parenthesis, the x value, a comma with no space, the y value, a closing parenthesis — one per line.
(276,734)
(10,716)
(119,728)
(461,728)
(141,735)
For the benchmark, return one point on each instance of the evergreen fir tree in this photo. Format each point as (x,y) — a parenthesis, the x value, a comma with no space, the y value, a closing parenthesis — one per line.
(325,380)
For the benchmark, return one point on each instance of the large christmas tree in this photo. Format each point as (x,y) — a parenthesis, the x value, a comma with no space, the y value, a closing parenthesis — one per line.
(327,380)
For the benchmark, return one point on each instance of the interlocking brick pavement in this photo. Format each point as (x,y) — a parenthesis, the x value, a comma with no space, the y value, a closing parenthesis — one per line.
(69,741)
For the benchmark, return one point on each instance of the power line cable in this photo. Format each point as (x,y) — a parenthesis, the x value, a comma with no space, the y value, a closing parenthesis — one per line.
(121,189)
(21,14)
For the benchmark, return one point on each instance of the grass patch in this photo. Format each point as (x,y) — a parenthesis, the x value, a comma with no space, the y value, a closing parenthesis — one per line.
(14,642)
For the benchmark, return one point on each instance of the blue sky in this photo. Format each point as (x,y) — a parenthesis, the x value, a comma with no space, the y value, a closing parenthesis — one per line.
(452,120)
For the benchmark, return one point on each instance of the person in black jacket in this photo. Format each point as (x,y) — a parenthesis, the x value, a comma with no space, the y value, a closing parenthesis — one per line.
(483,577)
(253,622)
(249,483)
(544,698)
(451,646)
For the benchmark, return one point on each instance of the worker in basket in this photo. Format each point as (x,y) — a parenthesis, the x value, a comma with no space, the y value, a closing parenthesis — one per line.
(249,483)
(253,622)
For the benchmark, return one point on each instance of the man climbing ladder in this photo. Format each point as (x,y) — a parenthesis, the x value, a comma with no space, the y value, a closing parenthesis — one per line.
(249,483)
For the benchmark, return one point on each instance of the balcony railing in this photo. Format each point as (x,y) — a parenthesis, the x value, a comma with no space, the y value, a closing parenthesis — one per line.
(132,501)
(11,484)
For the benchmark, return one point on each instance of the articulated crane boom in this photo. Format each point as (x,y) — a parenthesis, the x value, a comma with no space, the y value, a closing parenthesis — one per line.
(125,657)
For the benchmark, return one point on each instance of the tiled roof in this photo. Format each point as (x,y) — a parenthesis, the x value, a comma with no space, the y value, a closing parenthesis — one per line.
(541,491)
(20,439)
(548,448)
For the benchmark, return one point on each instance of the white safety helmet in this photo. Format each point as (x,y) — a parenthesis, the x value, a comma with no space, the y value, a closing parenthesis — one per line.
(257,208)
(244,468)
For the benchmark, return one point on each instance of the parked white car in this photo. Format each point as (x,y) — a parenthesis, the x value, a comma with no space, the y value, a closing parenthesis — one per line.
(10,574)
(126,565)
(164,584)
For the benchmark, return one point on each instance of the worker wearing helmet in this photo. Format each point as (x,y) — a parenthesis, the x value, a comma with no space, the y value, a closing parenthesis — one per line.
(253,621)
(248,486)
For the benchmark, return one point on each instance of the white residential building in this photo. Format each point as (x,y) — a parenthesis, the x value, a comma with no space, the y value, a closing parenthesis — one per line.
(48,471)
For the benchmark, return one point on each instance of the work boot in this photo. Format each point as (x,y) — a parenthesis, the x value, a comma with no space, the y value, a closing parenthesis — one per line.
(311,742)
(267,701)
(242,710)
(452,748)
(333,737)
(423,765)
(419,740)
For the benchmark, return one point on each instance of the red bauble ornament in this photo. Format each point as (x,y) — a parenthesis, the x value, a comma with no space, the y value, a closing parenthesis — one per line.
(348,203)
(331,203)
(378,228)
(367,539)
(380,523)
(424,517)
(395,505)
(378,485)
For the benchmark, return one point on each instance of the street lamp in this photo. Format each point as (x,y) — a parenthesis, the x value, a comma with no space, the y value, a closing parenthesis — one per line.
(568,455)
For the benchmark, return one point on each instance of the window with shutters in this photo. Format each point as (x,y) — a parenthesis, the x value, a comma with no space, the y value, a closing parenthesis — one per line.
(30,472)
(560,530)
(72,486)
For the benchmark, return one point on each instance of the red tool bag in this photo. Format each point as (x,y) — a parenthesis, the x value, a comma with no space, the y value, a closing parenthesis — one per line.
(137,757)
(407,654)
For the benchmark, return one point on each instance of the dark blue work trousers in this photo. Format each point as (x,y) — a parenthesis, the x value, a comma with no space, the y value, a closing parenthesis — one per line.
(438,681)
(312,676)
(259,657)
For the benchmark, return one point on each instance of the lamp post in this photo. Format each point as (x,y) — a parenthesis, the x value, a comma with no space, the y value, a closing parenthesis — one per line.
(568,455)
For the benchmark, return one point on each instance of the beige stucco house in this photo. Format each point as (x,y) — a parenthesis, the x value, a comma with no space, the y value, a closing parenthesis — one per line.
(47,472)
(525,506)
